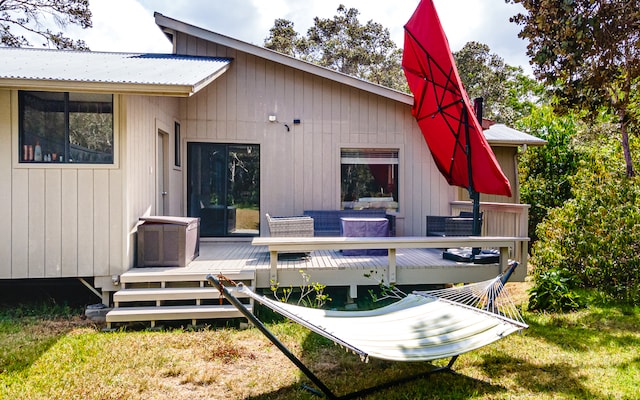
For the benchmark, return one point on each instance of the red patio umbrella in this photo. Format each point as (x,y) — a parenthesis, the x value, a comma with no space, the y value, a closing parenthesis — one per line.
(443,110)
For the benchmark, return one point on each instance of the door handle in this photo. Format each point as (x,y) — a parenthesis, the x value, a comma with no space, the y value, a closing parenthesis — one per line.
(164,193)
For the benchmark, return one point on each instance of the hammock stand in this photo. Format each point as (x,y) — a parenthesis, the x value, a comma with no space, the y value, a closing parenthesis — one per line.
(485,304)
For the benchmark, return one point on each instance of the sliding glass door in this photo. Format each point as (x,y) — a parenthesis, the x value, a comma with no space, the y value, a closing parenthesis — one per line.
(224,188)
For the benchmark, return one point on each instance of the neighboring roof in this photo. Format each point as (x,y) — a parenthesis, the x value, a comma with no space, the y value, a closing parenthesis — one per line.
(500,134)
(170,25)
(159,74)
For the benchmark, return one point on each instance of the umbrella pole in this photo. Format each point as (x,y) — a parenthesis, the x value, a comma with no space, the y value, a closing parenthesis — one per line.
(473,194)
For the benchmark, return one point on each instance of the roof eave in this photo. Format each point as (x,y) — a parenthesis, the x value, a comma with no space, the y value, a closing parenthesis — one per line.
(205,82)
(106,87)
(511,143)
(166,23)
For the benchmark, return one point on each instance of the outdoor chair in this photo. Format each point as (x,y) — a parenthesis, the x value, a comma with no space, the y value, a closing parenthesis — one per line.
(461,225)
(294,226)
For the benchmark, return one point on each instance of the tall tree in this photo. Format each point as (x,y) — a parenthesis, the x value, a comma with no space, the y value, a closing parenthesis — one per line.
(588,51)
(343,44)
(20,19)
(283,38)
(509,94)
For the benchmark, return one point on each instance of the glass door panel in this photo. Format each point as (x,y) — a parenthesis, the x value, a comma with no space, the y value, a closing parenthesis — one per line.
(224,188)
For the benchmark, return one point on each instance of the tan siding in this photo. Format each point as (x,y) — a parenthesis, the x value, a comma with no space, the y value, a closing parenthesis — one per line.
(6,149)
(36,223)
(53,223)
(506,159)
(69,226)
(145,116)
(300,169)
(51,217)
(86,212)
(20,224)
(101,222)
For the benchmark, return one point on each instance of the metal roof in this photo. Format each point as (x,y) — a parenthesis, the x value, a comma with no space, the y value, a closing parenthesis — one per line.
(168,74)
(503,135)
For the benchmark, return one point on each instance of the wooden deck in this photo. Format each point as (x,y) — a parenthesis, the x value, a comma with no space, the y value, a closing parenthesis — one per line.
(183,294)
(330,267)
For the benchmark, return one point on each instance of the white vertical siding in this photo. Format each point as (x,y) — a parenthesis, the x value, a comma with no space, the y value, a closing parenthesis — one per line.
(69,225)
(145,116)
(6,179)
(300,168)
(52,224)
(60,220)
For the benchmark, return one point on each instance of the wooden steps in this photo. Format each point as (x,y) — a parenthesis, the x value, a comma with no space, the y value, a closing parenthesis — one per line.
(174,294)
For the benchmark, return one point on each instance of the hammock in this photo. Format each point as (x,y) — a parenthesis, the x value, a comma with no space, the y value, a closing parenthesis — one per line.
(423,326)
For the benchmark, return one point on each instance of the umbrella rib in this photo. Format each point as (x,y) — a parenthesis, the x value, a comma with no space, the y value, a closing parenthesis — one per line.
(450,85)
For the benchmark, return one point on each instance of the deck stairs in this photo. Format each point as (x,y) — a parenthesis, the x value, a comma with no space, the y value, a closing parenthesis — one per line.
(173,294)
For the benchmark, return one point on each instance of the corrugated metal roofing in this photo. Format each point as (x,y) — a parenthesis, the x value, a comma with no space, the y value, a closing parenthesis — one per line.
(502,134)
(115,68)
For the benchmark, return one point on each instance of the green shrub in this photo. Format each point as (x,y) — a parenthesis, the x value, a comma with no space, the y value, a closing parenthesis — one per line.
(545,170)
(555,291)
(596,235)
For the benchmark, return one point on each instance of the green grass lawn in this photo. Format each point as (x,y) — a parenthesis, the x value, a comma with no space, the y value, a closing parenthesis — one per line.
(590,354)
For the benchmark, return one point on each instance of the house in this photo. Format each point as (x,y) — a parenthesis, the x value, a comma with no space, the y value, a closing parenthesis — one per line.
(220,129)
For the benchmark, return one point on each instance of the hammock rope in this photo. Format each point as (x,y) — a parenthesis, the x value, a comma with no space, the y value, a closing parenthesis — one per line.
(423,326)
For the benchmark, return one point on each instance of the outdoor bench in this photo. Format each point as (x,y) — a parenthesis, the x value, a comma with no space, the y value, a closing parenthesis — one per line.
(308,244)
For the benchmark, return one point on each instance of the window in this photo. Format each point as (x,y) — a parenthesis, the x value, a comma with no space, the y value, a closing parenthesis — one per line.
(176,144)
(66,127)
(369,178)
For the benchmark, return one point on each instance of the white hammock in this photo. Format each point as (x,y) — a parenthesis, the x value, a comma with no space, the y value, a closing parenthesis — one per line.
(423,326)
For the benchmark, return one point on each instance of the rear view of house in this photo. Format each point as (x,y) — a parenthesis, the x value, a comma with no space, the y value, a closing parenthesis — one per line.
(221,130)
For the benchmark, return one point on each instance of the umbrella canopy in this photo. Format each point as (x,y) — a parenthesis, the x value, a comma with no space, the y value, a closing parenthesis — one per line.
(443,110)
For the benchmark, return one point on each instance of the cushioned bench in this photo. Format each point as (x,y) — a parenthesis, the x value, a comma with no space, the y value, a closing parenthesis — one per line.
(327,222)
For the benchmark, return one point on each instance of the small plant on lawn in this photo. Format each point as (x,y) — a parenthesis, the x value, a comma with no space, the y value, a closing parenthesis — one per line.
(311,293)
(387,290)
(554,291)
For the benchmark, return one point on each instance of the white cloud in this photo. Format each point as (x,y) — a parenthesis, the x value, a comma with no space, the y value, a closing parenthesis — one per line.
(122,26)
(128,25)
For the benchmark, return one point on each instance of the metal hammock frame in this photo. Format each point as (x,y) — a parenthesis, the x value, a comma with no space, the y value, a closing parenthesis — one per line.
(483,302)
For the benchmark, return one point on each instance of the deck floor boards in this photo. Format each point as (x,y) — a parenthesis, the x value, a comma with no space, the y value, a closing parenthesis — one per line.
(419,266)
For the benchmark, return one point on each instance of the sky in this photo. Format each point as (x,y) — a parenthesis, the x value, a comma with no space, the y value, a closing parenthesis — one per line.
(128,25)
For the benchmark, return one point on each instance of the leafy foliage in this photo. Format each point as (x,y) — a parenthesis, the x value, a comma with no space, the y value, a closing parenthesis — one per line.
(545,171)
(508,93)
(555,291)
(31,18)
(595,236)
(343,44)
(588,52)
(311,294)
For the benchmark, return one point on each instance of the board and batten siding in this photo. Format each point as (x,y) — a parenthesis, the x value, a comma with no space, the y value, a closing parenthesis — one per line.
(60,220)
(144,117)
(507,157)
(300,166)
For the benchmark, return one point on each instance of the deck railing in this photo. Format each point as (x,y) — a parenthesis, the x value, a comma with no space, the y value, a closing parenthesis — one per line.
(502,219)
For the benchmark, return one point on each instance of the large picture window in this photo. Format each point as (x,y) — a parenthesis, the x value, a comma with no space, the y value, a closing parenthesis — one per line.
(66,127)
(369,178)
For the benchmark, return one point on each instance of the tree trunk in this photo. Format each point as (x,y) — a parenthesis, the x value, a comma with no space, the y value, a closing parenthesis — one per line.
(625,143)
